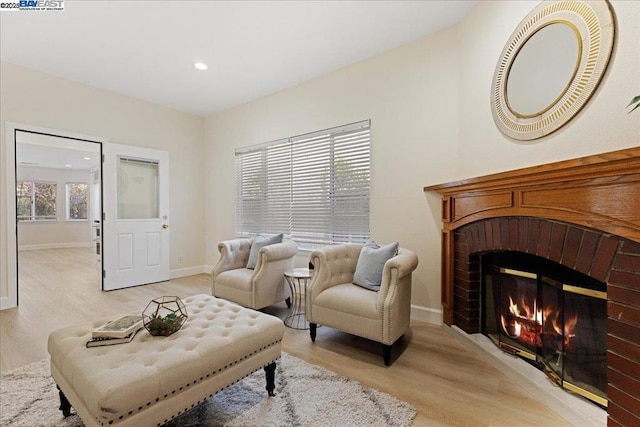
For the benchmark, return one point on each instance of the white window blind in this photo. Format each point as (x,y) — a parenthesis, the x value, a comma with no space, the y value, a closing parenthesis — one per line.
(314,188)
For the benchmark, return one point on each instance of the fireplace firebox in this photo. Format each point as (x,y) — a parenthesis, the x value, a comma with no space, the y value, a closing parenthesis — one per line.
(551,316)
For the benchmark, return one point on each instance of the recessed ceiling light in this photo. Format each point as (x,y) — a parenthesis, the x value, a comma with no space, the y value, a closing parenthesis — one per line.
(200,65)
(87,158)
(67,166)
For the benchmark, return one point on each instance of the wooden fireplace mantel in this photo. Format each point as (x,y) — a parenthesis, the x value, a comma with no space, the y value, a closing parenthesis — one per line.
(600,192)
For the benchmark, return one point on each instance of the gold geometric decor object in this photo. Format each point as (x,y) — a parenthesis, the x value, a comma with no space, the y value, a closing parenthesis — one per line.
(551,66)
(164,315)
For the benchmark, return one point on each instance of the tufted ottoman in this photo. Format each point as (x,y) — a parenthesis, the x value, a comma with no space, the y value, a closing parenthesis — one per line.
(151,380)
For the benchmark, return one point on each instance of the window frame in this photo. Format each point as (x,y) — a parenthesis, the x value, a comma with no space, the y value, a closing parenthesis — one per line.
(32,202)
(68,201)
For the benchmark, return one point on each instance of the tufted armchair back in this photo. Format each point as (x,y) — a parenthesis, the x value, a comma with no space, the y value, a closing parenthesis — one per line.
(233,254)
(332,300)
(254,288)
(333,265)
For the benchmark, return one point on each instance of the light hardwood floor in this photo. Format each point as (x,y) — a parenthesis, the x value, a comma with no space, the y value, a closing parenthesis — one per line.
(447,382)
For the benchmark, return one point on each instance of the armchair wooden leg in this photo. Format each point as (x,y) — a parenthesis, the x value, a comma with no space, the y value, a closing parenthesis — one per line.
(312,331)
(288,301)
(386,354)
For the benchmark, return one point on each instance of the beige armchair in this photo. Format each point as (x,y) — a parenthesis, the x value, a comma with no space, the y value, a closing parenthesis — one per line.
(334,301)
(253,288)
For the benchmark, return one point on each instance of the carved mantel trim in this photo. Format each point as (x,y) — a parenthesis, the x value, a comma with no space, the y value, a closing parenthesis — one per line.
(601,192)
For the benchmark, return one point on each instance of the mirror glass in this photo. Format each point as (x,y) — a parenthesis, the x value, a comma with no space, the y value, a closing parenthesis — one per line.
(543,69)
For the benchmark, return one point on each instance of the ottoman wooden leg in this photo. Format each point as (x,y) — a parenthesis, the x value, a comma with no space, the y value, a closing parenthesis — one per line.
(65,406)
(270,371)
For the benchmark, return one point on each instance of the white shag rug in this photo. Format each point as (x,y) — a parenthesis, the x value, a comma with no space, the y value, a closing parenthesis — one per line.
(306,395)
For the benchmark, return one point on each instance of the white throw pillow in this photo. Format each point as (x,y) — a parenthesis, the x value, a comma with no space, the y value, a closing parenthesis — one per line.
(258,243)
(371,263)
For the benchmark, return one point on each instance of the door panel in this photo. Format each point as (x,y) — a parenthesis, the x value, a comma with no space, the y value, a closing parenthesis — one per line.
(136,224)
(125,252)
(153,253)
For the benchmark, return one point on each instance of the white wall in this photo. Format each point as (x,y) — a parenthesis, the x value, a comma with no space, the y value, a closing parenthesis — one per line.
(431,123)
(410,94)
(33,98)
(603,125)
(60,233)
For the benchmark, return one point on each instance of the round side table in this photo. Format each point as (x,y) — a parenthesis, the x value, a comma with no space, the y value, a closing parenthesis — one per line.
(298,279)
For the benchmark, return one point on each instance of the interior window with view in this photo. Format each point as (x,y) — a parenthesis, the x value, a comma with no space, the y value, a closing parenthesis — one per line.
(36,201)
(314,188)
(77,200)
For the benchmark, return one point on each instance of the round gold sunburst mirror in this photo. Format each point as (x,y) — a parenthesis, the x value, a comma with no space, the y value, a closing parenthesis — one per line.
(551,66)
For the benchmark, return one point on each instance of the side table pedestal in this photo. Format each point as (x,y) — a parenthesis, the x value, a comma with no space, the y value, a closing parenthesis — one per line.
(298,279)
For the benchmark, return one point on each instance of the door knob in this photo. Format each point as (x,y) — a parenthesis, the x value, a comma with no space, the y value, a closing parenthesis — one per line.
(165,225)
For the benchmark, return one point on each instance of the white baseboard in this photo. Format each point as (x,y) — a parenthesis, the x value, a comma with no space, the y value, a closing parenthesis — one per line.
(427,315)
(56,246)
(189,271)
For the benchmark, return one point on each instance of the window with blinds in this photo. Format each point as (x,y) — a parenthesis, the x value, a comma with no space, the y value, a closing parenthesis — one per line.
(314,188)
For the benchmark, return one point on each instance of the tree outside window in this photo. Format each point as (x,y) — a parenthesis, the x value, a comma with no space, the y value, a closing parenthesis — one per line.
(77,200)
(36,201)
(24,199)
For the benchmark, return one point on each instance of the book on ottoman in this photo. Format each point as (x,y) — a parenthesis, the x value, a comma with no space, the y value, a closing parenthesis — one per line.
(100,341)
(119,328)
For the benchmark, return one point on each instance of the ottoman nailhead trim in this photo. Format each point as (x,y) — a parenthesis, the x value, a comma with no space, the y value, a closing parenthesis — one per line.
(201,379)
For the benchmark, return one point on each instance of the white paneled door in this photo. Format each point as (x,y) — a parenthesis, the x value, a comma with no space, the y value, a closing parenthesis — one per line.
(136,216)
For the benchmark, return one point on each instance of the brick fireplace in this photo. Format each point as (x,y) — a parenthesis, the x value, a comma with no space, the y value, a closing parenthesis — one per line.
(583,214)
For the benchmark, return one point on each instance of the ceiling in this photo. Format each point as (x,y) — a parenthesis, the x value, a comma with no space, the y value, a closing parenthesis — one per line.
(146,49)
(46,151)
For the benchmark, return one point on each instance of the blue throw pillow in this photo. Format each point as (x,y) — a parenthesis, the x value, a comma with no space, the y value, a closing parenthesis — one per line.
(258,243)
(371,263)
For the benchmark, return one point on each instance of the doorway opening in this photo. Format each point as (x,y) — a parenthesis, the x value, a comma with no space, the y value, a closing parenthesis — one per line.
(58,211)
(137,237)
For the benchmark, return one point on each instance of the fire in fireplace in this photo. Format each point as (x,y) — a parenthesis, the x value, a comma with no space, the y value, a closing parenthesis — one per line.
(552,316)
